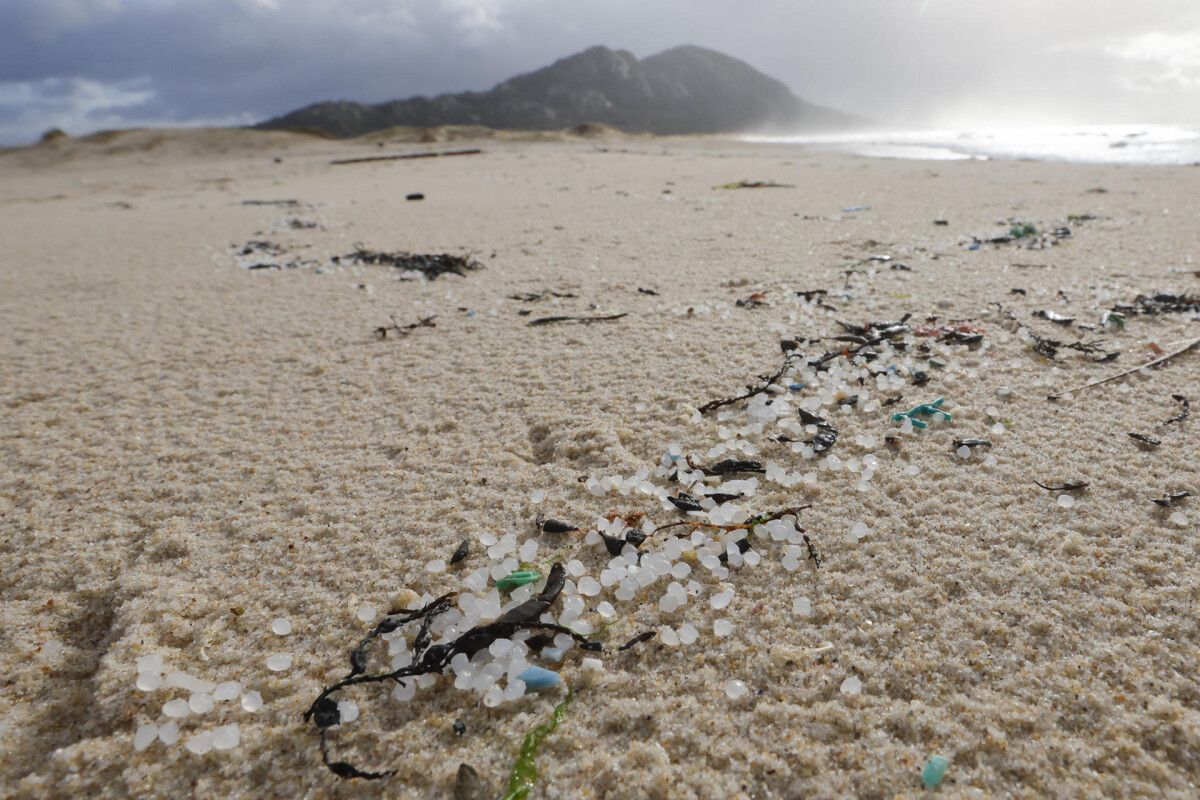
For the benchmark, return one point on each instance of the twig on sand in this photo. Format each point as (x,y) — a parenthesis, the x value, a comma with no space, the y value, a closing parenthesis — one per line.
(1160,360)
(406,156)
(579,320)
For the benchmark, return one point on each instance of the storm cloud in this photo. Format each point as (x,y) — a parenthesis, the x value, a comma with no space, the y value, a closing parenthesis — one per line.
(89,64)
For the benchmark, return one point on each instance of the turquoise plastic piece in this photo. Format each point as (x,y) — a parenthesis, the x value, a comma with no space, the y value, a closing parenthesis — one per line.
(519,578)
(925,409)
(538,679)
(935,770)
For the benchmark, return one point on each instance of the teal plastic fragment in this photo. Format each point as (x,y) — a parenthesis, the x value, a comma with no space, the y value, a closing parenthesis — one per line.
(537,678)
(935,770)
(519,578)
(925,409)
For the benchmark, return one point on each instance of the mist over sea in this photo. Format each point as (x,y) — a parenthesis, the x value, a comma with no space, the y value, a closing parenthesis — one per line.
(1097,144)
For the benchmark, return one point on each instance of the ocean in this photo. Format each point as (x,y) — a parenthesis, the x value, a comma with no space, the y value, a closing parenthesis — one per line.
(1096,144)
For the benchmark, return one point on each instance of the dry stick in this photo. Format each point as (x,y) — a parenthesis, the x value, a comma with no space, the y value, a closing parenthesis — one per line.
(406,156)
(1161,360)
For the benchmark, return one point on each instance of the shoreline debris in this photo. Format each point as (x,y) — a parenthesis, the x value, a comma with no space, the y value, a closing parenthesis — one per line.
(407,156)
(1171,498)
(1185,409)
(405,330)
(578,320)
(1069,486)
(1160,360)
(431,265)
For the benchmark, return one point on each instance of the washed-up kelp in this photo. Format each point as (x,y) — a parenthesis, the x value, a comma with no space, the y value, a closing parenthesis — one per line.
(826,435)
(1142,438)
(1160,303)
(404,330)
(1184,410)
(431,265)
(577,320)
(1048,347)
(533,297)
(767,381)
(1170,499)
(432,658)
(553,525)
(861,337)
(755,185)
(729,466)
(1069,486)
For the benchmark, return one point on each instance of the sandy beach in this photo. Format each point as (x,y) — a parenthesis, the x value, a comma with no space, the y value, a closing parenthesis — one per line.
(191,449)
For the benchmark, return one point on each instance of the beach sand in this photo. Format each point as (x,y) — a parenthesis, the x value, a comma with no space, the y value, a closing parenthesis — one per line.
(191,449)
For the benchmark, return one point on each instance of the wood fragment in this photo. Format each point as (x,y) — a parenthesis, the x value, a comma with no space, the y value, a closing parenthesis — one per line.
(406,156)
(1161,360)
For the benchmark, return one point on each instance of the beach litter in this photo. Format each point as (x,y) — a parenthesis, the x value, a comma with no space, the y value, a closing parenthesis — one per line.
(934,771)
(576,320)
(429,265)
(405,330)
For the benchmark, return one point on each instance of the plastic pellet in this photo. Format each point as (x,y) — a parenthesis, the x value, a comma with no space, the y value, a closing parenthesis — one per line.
(935,770)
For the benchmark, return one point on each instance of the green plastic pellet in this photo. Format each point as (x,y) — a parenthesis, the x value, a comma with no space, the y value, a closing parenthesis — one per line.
(519,578)
(524,772)
(935,770)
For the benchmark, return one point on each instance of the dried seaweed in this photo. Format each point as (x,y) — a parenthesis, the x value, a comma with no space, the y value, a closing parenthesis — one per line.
(651,292)
(971,443)
(553,525)
(432,658)
(728,466)
(463,550)
(644,636)
(1170,499)
(1069,486)
(1142,438)
(743,184)
(579,320)
(813,555)
(826,435)
(752,391)
(685,502)
(407,156)
(1160,303)
(1185,409)
(1194,343)
(431,265)
(533,297)
(405,330)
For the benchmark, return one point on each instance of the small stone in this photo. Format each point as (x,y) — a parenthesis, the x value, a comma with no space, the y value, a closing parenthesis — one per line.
(281,626)
(144,736)
(935,770)
(852,686)
(1066,501)
(279,662)
(252,701)
(735,689)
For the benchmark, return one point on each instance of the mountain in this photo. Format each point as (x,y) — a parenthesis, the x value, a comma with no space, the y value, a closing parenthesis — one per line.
(683,90)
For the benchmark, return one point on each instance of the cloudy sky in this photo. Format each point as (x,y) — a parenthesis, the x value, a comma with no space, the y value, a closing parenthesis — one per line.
(83,65)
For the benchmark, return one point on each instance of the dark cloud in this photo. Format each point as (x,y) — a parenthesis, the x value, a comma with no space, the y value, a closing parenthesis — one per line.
(904,61)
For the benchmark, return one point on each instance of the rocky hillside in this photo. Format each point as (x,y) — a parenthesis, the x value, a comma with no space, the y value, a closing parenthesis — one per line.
(682,90)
